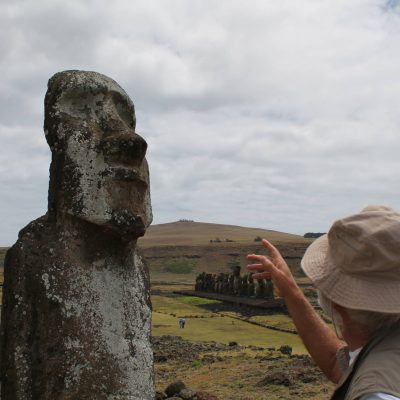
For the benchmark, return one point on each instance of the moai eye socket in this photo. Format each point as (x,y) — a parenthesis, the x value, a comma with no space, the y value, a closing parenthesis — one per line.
(84,105)
(125,109)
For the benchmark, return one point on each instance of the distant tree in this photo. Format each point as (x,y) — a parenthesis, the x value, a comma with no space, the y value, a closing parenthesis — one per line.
(313,235)
(229,240)
(258,239)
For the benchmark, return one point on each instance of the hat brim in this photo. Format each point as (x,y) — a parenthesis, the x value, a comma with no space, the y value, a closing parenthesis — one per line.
(347,290)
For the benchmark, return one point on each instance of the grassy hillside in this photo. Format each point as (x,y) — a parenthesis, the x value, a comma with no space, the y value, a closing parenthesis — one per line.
(200,233)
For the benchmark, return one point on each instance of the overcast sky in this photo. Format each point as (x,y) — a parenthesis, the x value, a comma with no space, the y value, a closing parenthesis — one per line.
(281,114)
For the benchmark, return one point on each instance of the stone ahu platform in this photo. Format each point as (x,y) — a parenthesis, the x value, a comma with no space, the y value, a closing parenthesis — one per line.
(260,303)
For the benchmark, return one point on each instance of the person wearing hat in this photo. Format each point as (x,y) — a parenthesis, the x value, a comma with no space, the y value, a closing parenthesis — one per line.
(356,270)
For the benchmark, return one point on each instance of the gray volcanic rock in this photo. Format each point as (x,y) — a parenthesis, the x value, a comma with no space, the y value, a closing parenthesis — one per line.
(174,388)
(175,348)
(76,310)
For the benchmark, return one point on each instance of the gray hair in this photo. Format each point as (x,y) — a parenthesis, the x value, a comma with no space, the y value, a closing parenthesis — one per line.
(369,321)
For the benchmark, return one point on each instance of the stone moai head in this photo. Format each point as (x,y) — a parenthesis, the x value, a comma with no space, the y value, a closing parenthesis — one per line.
(98,173)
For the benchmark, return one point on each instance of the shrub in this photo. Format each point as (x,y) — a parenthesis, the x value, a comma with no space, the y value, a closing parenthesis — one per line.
(179,266)
(196,364)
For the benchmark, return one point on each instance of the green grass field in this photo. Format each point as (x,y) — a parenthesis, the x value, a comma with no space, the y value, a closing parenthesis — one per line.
(173,305)
(225,330)
(203,325)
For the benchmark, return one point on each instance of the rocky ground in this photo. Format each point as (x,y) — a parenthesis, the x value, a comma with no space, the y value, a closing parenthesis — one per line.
(209,370)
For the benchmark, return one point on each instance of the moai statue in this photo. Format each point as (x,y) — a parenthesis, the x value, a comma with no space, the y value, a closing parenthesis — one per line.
(198,283)
(219,282)
(203,281)
(236,281)
(214,283)
(208,283)
(231,281)
(260,289)
(250,285)
(269,290)
(76,310)
(243,285)
(225,284)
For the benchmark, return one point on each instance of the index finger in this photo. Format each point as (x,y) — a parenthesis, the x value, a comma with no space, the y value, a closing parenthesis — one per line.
(271,248)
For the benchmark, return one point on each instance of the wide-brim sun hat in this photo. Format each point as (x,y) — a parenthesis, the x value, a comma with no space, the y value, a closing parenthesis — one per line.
(357,264)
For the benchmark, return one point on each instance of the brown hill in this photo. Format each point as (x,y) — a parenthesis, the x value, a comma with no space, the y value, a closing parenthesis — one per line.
(178,251)
(182,233)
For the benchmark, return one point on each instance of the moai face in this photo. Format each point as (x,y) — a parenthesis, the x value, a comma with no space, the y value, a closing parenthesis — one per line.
(99,172)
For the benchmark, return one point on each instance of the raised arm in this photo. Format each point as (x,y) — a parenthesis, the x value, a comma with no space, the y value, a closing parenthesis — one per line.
(320,341)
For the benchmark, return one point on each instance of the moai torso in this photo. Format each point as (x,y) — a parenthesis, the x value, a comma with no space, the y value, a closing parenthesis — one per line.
(74,325)
(269,290)
(231,280)
(225,284)
(199,282)
(219,283)
(208,282)
(243,286)
(250,286)
(214,283)
(203,281)
(236,281)
(76,311)
(260,288)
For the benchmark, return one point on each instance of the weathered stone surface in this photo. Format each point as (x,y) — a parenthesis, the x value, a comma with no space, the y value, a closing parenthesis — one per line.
(168,348)
(76,309)
(160,396)
(187,394)
(286,349)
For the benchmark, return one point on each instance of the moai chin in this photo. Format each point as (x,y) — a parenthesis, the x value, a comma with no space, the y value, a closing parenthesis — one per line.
(76,309)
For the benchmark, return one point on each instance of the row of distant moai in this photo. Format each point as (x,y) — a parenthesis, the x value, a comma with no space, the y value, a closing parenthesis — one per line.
(235,285)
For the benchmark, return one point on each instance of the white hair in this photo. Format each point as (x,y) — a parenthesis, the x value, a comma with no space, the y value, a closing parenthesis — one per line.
(369,321)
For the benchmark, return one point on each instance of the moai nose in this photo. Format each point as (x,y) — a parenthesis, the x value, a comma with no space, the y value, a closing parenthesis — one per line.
(124,148)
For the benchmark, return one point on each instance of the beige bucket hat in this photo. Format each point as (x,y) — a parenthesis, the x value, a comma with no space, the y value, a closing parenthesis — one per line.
(357,264)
